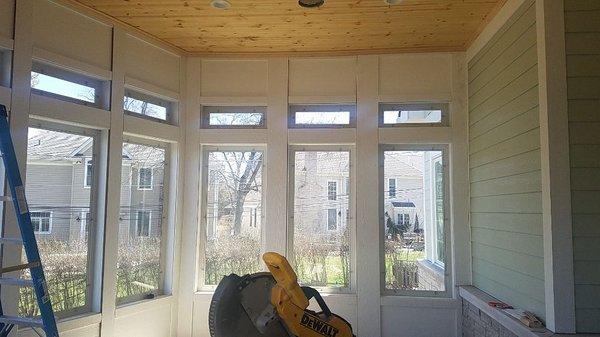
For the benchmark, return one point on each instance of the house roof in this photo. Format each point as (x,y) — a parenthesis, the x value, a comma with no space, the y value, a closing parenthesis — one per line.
(403,204)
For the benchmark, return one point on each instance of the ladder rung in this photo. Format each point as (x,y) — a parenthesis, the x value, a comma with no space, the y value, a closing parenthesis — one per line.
(15,281)
(22,321)
(12,241)
(20,267)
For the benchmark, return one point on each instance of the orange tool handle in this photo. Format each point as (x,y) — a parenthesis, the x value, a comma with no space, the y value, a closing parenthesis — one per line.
(286,278)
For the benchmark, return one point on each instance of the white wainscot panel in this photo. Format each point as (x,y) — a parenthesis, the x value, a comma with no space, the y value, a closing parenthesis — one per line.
(325,77)
(419,321)
(222,78)
(153,321)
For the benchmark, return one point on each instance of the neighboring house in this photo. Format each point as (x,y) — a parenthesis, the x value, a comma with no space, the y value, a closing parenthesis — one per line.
(59,180)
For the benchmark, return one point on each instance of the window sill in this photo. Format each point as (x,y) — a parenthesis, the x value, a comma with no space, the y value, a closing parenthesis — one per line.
(75,322)
(132,308)
(480,299)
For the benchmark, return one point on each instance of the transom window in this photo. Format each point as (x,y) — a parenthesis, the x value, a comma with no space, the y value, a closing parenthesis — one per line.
(41,222)
(233,117)
(414,222)
(413,114)
(323,116)
(321,227)
(138,104)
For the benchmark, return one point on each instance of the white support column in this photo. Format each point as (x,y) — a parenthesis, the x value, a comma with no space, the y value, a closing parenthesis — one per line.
(113,188)
(190,228)
(19,121)
(556,189)
(368,229)
(276,170)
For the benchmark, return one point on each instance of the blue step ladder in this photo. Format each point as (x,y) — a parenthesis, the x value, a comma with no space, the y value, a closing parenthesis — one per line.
(47,321)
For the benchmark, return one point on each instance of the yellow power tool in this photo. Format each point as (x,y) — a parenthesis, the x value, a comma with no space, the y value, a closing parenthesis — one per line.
(271,305)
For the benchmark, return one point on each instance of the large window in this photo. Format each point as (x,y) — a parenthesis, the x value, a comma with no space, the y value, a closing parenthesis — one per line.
(140,261)
(232,202)
(413,114)
(321,217)
(414,221)
(56,179)
(233,117)
(322,116)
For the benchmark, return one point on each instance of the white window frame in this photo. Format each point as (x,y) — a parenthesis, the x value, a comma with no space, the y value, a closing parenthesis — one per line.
(101,87)
(351,221)
(209,109)
(205,150)
(83,221)
(40,218)
(169,105)
(85,173)
(332,195)
(139,174)
(137,223)
(435,251)
(444,107)
(395,195)
(447,270)
(94,242)
(293,108)
(327,223)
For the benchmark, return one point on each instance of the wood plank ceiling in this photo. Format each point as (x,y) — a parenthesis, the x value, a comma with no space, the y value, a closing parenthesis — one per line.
(283,27)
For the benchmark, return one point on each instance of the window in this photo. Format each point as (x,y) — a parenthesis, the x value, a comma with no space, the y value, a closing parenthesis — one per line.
(140,261)
(65,85)
(322,116)
(57,197)
(41,222)
(233,117)
(415,247)
(392,187)
(320,236)
(332,215)
(145,178)
(138,104)
(232,188)
(84,219)
(413,114)
(331,190)
(143,223)
(88,176)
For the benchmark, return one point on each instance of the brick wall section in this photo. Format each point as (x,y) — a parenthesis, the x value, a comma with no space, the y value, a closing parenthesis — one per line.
(478,324)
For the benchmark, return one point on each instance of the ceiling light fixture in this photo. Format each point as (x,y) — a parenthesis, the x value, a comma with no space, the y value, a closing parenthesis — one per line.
(220,4)
(311,3)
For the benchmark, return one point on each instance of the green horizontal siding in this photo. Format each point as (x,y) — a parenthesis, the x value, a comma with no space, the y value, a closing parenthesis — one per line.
(505,165)
(582,26)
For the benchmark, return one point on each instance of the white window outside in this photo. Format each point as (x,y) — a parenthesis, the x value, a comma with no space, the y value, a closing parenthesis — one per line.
(144,219)
(88,176)
(142,105)
(322,116)
(41,222)
(145,178)
(233,117)
(332,219)
(392,187)
(84,222)
(415,114)
(332,190)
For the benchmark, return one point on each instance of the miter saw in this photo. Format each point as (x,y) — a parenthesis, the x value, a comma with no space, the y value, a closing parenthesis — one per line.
(271,305)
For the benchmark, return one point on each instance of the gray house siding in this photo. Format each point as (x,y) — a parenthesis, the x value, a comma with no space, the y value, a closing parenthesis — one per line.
(582,26)
(48,188)
(504,152)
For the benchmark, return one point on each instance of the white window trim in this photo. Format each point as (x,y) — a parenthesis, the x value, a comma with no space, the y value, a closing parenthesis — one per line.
(139,185)
(337,222)
(208,109)
(448,272)
(335,194)
(443,106)
(83,222)
(205,150)
(389,188)
(434,258)
(49,231)
(169,105)
(137,223)
(351,223)
(85,173)
(293,108)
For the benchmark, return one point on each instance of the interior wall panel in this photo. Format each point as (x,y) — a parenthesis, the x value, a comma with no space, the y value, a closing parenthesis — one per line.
(151,64)
(415,74)
(153,322)
(323,77)
(67,33)
(7,18)
(234,78)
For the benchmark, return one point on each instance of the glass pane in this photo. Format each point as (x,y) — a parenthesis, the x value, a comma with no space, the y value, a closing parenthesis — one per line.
(62,87)
(233,214)
(140,224)
(412,116)
(321,222)
(56,195)
(235,118)
(322,117)
(144,108)
(414,221)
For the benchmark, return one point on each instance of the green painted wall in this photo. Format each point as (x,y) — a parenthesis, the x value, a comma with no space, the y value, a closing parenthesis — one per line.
(582,26)
(505,170)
